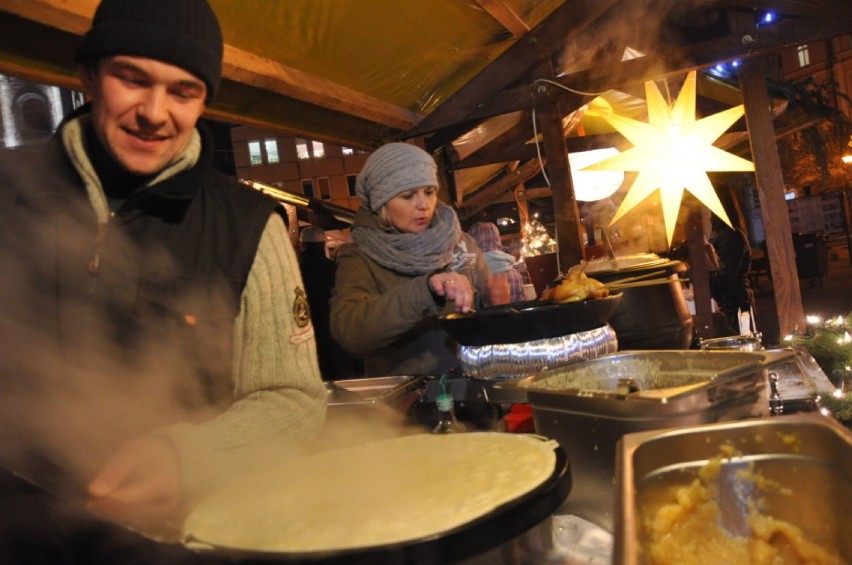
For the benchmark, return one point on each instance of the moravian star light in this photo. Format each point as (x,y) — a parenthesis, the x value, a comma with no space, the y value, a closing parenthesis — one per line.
(673,152)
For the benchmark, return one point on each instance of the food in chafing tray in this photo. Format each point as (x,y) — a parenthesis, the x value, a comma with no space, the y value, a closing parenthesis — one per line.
(379,493)
(574,287)
(686,526)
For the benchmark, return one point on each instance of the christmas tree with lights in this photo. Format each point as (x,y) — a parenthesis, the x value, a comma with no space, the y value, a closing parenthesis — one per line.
(536,239)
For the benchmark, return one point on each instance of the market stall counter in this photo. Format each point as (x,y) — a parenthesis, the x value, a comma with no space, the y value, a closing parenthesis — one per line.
(547,521)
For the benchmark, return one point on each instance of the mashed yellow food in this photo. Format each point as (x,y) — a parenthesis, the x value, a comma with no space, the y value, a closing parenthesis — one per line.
(688,531)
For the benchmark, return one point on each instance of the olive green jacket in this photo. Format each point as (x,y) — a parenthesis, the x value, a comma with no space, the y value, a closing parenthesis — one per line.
(389,319)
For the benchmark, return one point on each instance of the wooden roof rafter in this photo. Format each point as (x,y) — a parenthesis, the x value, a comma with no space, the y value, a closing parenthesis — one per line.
(503,13)
(539,44)
(239,66)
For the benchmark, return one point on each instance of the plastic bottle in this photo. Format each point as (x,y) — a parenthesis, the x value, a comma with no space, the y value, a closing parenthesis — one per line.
(447,422)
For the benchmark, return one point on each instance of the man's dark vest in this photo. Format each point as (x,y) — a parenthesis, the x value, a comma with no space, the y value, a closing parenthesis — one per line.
(157,292)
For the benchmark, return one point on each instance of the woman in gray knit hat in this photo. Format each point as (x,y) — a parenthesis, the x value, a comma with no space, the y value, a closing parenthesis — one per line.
(409,261)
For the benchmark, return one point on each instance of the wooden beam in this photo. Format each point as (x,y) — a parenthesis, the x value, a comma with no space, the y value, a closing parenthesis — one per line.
(247,68)
(696,239)
(569,229)
(74,17)
(534,193)
(213,113)
(770,190)
(525,194)
(237,65)
(515,146)
(525,97)
(744,42)
(488,195)
(488,134)
(40,76)
(567,216)
(503,149)
(534,47)
(505,16)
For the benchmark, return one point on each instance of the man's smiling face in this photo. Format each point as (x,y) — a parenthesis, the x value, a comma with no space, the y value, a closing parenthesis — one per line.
(144,111)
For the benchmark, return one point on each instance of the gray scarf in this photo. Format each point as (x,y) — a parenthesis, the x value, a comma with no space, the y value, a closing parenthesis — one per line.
(408,253)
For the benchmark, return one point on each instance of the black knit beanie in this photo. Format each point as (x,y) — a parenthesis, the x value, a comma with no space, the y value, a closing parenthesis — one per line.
(184,33)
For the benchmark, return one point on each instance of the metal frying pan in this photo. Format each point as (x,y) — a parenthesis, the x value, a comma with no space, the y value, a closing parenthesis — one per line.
(527,321)
(468,540)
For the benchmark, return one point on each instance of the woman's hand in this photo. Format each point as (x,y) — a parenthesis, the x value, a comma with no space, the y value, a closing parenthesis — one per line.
(455,288)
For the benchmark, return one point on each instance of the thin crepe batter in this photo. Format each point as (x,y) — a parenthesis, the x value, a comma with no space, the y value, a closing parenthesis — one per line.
(380,493)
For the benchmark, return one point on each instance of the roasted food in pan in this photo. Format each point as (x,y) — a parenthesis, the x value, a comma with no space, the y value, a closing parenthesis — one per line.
(573,287)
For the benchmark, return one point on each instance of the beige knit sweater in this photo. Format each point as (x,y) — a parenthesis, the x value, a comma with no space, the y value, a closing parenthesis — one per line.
(280,397)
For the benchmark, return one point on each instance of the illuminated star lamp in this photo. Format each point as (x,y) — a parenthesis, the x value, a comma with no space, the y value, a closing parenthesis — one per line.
(673,152)
(593,185)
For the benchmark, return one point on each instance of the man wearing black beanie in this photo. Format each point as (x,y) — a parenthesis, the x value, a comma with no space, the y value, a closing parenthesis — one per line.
(155,304)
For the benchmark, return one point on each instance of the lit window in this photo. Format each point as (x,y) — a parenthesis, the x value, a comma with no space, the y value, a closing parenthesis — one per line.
(319,150)
(271,146)
(255,157)
(308,188)
(804,56)
(302,149)
(350,180)
(347,150)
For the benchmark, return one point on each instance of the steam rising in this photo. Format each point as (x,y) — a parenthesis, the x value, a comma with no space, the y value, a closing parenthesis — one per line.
(603,54)
(70,391)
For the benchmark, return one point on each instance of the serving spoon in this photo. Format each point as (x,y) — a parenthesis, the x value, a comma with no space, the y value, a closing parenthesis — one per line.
(736,497)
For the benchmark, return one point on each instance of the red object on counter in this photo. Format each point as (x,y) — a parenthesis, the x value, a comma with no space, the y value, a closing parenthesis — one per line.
(519,419)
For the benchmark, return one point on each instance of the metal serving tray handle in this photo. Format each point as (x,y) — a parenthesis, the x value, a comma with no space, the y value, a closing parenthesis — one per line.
(370,390)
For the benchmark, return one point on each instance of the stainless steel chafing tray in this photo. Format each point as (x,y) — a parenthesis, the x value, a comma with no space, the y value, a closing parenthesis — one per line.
(808,455)
(371,390)
(368,408)
(588,405)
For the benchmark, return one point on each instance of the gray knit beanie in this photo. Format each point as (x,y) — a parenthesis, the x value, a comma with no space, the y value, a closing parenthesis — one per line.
(393,169)
(184,33)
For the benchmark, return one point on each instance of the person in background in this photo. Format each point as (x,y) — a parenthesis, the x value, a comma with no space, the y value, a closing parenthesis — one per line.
(409,261)
(159,300)
(318,275)
(730,286)
(501,264)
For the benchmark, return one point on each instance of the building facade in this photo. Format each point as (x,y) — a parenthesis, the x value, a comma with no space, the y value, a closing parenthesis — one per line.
(301,166)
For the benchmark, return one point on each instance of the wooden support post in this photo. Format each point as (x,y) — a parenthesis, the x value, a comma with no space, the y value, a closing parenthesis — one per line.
(696,239)
(770,190)
(568,238)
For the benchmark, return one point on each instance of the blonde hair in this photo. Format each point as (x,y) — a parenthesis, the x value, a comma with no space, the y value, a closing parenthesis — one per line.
(384,220)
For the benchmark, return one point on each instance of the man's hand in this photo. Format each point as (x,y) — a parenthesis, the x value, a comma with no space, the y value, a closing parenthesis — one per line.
(140,482)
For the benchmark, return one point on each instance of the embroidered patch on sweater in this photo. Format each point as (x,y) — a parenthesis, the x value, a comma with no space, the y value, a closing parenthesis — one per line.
(301,310)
